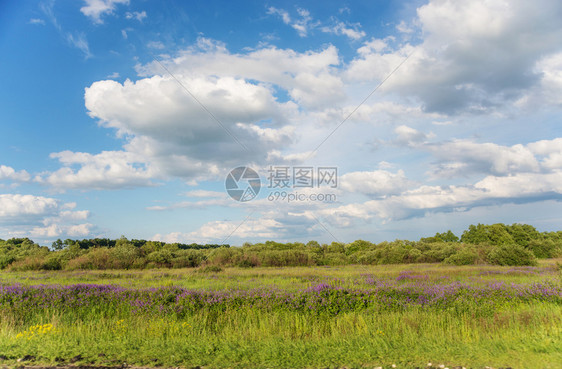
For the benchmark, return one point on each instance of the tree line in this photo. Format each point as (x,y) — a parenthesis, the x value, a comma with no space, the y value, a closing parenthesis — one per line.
(499,244)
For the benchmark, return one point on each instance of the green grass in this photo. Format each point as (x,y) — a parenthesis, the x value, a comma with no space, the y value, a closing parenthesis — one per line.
(522,335)
(286,278)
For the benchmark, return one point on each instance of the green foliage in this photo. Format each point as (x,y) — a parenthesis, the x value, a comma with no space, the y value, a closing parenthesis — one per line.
(465,256)
(495,234)
(522,234)
(545,248)
(442,237)
(476,245)
(511,254)
(210,269)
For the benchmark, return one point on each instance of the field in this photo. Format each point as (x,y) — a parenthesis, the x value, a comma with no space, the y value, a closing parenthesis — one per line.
(301,317)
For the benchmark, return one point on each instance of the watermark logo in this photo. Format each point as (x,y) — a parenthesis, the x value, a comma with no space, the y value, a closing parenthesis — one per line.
(280,177)
(243,184)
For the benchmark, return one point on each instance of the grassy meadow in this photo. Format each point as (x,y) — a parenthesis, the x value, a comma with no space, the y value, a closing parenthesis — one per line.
(351,316)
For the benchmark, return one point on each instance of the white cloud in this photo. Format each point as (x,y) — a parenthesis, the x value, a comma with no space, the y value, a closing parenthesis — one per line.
(464,157)
(205,193)
(409,136)
(403,27)
(302,24)
(281,13)
(309,78)
(37,21)
(77,40)
(376,183)
(25,205)
(94,9)
(268,226)
(107,170)
(169,134)
(550,152)
(136,15)
(342,29)
(9,173)
(492,190)
(113,75)
(548,92)
(37,216)
(156,45)
(485,59)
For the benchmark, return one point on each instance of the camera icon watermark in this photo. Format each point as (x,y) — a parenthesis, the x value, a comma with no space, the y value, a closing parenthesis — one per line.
(244,183)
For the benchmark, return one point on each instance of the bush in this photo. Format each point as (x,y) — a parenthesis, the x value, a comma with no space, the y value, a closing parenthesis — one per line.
(210,269)
(511,254)
(225,256)
(162,258)
(188,259)
(543,249)
(465,256)
(6,260)
(246,263)
(52,262)
(29,263)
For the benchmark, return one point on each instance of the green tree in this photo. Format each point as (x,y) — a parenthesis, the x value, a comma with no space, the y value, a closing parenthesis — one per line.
(495,234)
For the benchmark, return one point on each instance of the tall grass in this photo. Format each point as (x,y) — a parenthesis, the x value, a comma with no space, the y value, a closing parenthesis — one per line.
(522,337)
(493,327)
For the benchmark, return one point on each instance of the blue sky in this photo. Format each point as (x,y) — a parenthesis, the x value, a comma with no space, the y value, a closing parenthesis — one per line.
(124,117)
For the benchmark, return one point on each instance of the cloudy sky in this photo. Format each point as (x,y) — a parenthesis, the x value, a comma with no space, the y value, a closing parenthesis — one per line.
(124,117)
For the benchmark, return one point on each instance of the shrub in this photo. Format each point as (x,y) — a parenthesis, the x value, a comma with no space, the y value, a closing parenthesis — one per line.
(6,260)
(438,252)
(52,262)
(188,259)
(544,248)
(465,256)
(29,263)
(281,258)
(333,259)
(162,258)
(511,254)
(246,263)
(124,255)
(369,258)
(210,269)
(225,256)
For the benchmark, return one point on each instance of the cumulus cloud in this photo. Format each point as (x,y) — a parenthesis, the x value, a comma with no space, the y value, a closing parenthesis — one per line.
(378,183)
(95,9)
(270,225)
(107,170)
(217,231)
(492,190)
(548,92)
(216,111)
(409,136)
(549,152)
(485,59)
(461,157)
(9,173)
(38,216)
(309,78)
